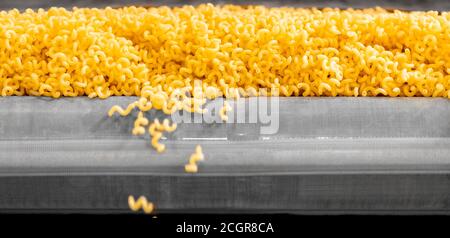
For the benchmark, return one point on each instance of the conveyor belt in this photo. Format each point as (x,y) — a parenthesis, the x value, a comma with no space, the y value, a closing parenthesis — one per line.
(330,155)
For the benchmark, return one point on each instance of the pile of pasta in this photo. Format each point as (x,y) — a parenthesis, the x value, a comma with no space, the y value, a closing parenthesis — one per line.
(299,52)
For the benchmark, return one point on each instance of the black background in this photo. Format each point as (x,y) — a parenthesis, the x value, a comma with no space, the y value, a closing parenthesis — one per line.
(283,224)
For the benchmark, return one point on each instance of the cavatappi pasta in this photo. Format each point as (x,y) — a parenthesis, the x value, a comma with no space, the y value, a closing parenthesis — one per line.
(139,124)
(121,111)
(140,203)
(153,52)
(156,131)
(192,167)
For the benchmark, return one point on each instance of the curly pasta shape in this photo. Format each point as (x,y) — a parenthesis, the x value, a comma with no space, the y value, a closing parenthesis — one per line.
(121,111)
(192,167)
(139,124)
(140,203)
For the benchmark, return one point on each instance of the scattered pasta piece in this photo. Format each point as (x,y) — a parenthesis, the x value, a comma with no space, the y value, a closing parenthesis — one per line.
(122,112)
(139,124)
(156,130)
(140,203)
(192,167)
(155,142)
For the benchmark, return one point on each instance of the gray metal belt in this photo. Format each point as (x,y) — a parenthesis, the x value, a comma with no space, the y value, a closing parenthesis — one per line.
(330,155)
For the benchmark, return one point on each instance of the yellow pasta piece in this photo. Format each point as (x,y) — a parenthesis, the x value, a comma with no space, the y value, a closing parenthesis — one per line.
(155,142)
(158,101)
(156,130)
(192,167)
(144,105)
(139,123)
(140,203)
(154,127)
(122,112)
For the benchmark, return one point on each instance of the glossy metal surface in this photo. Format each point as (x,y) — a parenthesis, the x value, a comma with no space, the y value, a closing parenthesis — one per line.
(345,155)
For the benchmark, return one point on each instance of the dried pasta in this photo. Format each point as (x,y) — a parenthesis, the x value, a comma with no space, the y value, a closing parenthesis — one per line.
(121,111)
(192,167)
(233,51)
(140,203)
(139,124)
(156,131)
